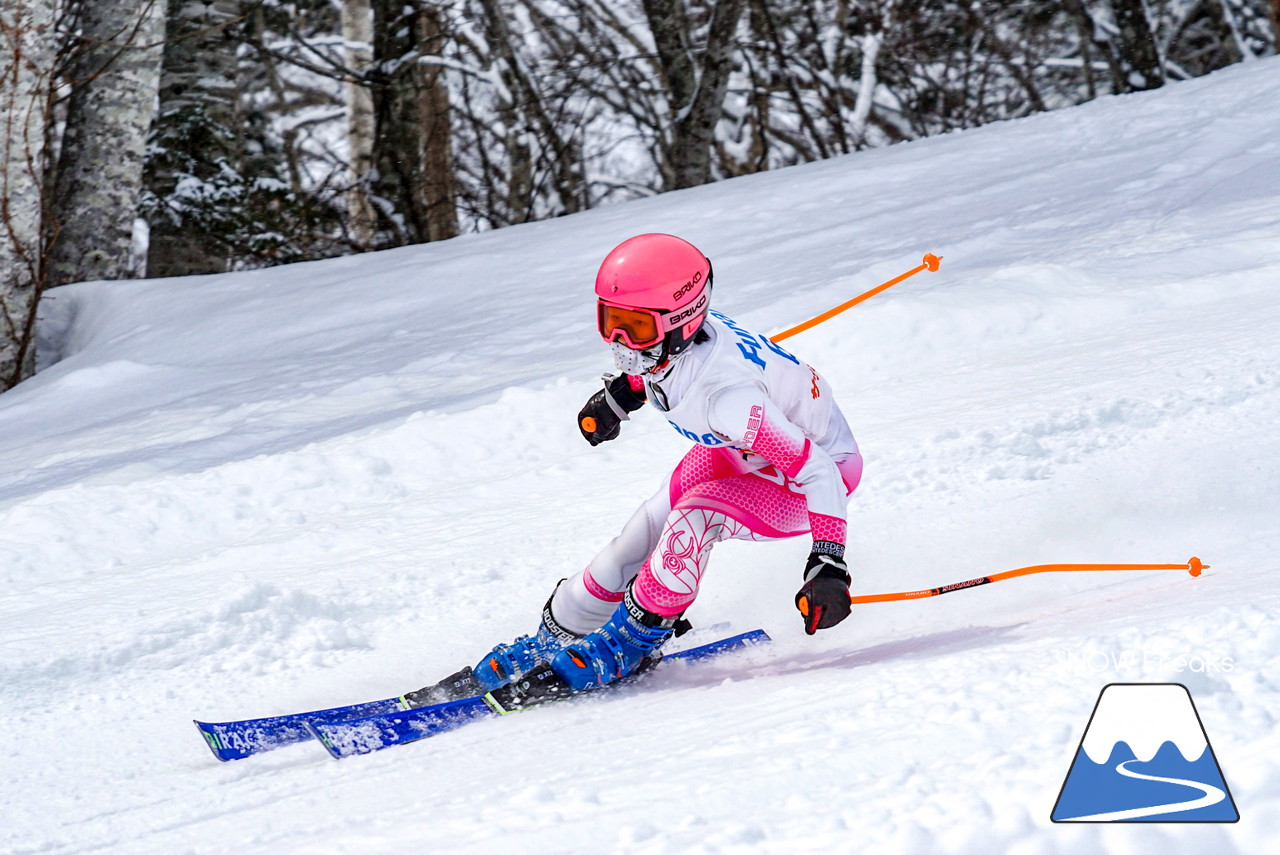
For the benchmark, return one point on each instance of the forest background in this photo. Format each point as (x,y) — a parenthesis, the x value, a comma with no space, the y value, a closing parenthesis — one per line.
(175,137)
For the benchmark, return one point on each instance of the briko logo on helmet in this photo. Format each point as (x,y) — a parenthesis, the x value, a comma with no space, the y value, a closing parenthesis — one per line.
(688,286)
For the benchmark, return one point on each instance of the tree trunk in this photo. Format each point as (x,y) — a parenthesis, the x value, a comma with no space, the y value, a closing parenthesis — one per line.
(1275,22)
(26,55)
(1092,33)
(867,82)
(529,117)
(1015,68)
(414,184)
(766,29)
(115,78)
(1137,46)
(198,105)
(438,195)
(513,106)
(357,33)
(1087,30)
(695,90)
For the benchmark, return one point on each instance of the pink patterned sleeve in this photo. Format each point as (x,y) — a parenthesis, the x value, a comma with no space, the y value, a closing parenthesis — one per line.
(750,420)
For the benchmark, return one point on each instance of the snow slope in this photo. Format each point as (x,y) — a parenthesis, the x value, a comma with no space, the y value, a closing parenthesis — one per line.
(264,492)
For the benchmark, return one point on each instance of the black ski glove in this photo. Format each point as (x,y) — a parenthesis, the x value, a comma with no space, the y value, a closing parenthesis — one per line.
(823,599)
(601,419)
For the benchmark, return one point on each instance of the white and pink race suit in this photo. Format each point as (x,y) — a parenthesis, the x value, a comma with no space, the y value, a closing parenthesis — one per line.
(774,458)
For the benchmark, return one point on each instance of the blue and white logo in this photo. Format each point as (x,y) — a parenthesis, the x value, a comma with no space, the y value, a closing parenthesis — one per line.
(1145,757)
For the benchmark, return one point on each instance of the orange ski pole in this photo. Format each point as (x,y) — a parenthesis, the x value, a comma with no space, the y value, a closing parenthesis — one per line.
(1194,566)
(931,263)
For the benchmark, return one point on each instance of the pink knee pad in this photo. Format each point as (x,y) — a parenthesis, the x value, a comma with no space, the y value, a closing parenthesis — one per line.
(657,597)
(668,582)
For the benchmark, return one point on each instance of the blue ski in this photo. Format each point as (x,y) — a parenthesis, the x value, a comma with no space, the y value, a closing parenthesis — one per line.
(378,731)
(235,740)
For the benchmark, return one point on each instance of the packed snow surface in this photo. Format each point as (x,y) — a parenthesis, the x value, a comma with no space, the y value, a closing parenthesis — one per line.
(259,493)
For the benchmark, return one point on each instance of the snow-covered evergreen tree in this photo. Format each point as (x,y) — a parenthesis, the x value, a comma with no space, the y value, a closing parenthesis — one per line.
(192,165)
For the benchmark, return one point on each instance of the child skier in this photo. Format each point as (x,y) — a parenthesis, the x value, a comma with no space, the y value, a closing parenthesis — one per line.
(773,457)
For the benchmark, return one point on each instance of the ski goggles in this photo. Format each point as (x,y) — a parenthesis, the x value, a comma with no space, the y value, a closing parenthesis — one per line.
(638,329)
(641,329)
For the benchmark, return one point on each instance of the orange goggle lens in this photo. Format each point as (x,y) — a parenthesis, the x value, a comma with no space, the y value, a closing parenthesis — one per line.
(637,328)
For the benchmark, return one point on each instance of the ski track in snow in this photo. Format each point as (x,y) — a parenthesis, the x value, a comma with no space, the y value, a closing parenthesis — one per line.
(282,490)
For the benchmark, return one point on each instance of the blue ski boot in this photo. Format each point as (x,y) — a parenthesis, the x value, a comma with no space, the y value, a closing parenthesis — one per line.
(629,639)
(500,666)
(506,662)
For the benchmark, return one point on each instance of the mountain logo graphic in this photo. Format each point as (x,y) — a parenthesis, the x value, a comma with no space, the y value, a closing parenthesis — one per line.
(1145,757)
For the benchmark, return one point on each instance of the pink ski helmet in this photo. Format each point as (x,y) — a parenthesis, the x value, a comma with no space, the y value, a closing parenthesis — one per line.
(652,290)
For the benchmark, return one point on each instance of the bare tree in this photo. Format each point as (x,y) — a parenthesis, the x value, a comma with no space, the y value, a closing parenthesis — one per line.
(1018,69)
(26,55)
(413,182)
(694,81)
(1137,49)
(357,37)
(870,42)
(435,116)
(1093,37)
(547,92)
(538,135)
(115,72)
